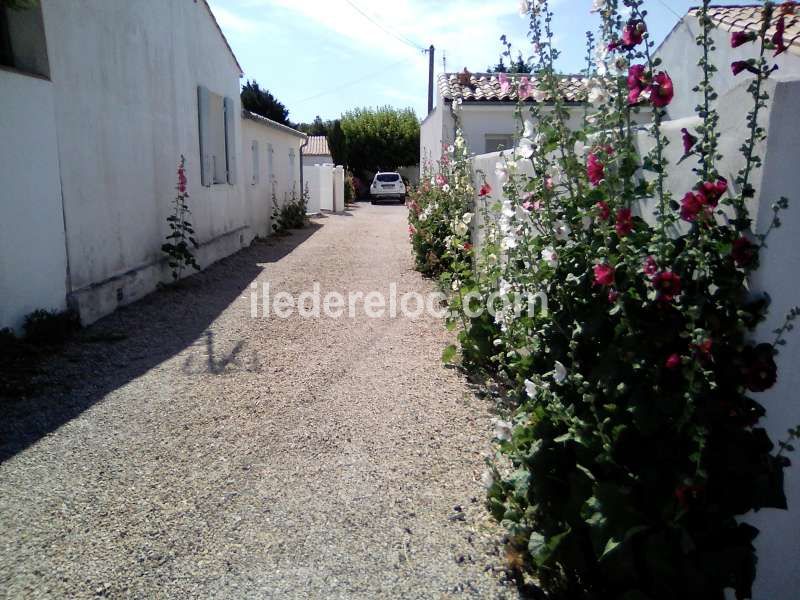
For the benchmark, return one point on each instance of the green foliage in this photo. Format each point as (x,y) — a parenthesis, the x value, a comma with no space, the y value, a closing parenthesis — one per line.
(20,4)
(633,452)
(263,103)
(181,238)
(49,328)
(380,139)
(349,188)
(292,213)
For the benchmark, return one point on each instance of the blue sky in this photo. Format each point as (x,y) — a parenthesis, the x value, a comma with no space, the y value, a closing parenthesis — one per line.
(324,57)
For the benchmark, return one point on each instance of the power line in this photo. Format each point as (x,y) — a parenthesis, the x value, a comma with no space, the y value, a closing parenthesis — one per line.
(396,36)
(351,83)
(669,8)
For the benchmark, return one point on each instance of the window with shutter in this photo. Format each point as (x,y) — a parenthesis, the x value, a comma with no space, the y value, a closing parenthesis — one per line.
(217,135)
(255,168)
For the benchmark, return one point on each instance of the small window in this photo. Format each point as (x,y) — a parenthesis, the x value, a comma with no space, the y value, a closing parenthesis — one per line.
(496,142)
(22,40)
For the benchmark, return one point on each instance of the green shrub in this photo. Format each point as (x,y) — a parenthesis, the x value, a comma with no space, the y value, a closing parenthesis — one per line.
(290,215)
(50,328)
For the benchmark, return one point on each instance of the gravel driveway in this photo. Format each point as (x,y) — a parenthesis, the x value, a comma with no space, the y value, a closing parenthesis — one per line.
(186,450)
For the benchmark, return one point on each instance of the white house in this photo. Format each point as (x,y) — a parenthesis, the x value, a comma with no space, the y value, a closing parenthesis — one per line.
(272,155)
(101,98)
(681,54)
(485,113)
(317,152)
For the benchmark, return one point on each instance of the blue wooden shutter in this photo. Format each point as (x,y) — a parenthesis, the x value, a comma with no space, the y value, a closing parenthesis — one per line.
(230,139)
(206,175)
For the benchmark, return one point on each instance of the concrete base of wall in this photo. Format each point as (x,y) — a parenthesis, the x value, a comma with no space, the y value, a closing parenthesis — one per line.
(103,298)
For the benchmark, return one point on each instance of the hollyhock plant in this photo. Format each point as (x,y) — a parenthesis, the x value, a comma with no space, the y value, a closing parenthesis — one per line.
(485,190)
(637,450)
(740,38)
(777,38)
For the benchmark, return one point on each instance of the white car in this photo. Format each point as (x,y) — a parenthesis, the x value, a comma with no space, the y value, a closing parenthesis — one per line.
(387,186)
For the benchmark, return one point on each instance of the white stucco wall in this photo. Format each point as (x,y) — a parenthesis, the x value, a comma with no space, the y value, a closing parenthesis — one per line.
(681,54)
(434,131)
(338,189)
(126,77)
(274,145)
(33,261)
(310,161)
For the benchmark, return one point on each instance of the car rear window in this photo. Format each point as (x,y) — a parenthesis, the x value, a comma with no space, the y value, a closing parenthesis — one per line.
(388,177)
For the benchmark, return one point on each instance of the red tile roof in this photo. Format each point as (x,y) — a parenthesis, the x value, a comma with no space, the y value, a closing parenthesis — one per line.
(317,146)
(749,17)
(484,87)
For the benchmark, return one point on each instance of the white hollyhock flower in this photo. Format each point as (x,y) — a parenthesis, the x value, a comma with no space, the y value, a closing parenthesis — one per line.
(508,209)
(502,429)
(559,372)
(446,188)
(467,218)
(562,230)
(525,148)
(550,257)
(502,172)
(461,228)
(528,129)
(491,259)
(530,388)
(509,242)
(598,5)
(539,95)
(597,95)
(524,7)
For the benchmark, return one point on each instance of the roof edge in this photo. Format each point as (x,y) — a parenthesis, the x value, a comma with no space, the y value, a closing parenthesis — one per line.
(224,39)
(251,116)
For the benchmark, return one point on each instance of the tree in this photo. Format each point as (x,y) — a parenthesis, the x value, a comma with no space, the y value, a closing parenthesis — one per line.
(261,102)
(514,66)
(337,143)
(382,138)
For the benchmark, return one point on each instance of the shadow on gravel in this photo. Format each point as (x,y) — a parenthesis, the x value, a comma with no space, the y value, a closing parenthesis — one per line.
(126,344)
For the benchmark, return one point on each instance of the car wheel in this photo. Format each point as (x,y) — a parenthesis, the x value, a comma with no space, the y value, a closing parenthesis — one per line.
(373,202)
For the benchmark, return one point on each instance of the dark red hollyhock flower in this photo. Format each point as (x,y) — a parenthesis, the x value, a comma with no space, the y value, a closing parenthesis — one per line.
(777,38)
(595,170)
(603,211)
(650,267)
(691,205)
(789,7)
(667,285)
(467,246)
(661,90)
(624,224)
(636,83)
(688,141)
(673,361)
(744,252)
(603,275)
(704,351)
(740,38)
(613,295)
(633,34)
(712,191)
(686,495)
(759,368)
(742,65)
(486,189)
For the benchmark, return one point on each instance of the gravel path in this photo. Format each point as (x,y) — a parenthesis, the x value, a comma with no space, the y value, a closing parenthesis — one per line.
(186,450)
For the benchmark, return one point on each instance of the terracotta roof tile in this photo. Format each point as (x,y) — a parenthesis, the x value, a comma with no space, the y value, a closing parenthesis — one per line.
(317,146)
(484,87)
(750,18)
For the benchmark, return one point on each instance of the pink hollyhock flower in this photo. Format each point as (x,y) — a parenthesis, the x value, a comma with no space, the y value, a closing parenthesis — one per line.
(525,88)
(688,141)
(673,361)
(636,83)
(603,211)
(740,38)
(603,275)
(624,224)
(411,230)
(777,38)
(595,169)
(668,285)
(744,252)
(441,180)
(662,90)
(505,83)
(633,34)
(650,267)
(486,189)
(691,205)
